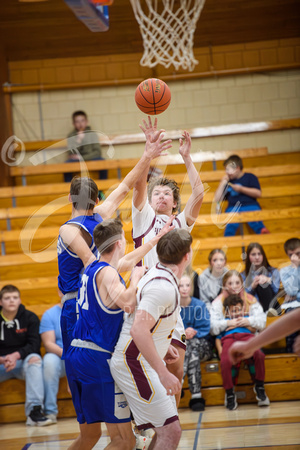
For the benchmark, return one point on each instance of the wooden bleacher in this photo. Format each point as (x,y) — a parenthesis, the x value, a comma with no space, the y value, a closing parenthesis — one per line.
(37,277)
(118,164)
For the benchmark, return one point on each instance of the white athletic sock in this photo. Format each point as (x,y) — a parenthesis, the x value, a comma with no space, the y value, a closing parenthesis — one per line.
(199,395)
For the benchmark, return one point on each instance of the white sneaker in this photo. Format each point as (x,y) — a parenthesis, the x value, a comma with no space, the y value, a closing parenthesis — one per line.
(52,417)
(142,442)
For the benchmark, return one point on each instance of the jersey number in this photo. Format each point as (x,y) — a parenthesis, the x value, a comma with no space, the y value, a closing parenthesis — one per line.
(83,299)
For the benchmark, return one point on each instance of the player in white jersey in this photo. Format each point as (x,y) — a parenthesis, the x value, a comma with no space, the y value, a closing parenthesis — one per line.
(137,363)
(150,213)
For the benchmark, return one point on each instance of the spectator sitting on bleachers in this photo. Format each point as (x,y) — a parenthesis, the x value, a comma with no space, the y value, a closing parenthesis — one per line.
(20,352)
(85,143)
(241,189)
(237,330)
(53,365)
(290,278)
(256,318)
(199,346)
(210,280)
(261,279)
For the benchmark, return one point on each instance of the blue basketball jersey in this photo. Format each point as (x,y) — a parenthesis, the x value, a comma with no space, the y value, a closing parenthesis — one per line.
(70,265)
(97,323)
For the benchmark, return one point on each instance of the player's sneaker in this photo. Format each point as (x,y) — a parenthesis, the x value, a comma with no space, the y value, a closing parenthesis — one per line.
(37,418)
(230,400)
(261,396)
(142,442)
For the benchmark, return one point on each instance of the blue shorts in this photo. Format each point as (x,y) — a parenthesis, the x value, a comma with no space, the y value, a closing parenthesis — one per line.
(68,321)
(95,395)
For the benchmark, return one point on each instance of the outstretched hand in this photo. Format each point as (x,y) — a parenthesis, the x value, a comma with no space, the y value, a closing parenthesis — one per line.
(185,144)
(150,130)
(157,148)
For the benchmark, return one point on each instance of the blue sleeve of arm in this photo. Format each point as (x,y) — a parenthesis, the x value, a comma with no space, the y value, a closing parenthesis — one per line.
(289,280)
(202,320)
(275,281)
(252,181)
(46,323)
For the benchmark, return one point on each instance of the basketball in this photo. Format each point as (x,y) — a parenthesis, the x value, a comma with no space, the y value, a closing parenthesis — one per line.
(152,96)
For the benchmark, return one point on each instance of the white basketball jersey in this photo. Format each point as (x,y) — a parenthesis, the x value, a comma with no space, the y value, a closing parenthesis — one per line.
(158,294)
(146,225)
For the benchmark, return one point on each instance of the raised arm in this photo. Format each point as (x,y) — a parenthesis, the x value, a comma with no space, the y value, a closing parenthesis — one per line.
(140,187)
(73,238)
(131,259)
(152,150)
(194,203)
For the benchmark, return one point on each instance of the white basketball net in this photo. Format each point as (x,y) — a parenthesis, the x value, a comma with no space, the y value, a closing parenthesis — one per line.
(168,31)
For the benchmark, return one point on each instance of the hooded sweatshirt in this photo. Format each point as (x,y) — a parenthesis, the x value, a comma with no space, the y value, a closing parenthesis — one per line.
(20,334)
(210,286)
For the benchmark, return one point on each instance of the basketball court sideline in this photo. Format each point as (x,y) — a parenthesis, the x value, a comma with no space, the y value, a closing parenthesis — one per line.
(275,427)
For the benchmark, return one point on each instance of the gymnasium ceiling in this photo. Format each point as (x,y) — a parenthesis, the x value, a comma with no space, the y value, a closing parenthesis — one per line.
(50,29)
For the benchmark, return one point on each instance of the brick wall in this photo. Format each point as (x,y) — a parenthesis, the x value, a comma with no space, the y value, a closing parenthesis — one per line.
(197,102)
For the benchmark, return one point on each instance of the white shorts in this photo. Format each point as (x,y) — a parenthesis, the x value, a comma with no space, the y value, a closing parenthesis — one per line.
(178,337)
(147,398)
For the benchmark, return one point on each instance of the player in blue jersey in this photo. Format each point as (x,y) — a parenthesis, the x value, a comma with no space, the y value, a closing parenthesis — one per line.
(102,299)
(75,243)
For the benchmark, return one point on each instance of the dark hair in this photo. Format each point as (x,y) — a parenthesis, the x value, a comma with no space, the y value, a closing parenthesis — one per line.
(165,182)
(233,300)
(84,193)
(234,159)
(8,288)
(78,113)
(172,247)
(291,244)
(106,234)
(265,261)
(213,252)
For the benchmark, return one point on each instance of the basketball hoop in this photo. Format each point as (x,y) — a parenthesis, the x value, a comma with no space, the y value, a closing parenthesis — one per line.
(167,29)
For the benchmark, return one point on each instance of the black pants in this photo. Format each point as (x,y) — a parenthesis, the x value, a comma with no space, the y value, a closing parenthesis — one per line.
(266,296)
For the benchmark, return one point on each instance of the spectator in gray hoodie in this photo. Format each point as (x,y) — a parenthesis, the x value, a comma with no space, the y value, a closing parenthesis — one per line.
(210,281)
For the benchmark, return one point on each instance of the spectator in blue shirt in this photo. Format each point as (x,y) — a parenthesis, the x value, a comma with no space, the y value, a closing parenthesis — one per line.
(241,189)
(199,346)
(290,278)
(261,279)
(53,365)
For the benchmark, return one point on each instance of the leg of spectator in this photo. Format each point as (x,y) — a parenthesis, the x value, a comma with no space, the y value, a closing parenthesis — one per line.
(231,229)
(194,368)
(265,296)
(53,370)
(257,227)
(15,373)
(188,353)
(226,364)
(33,374)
